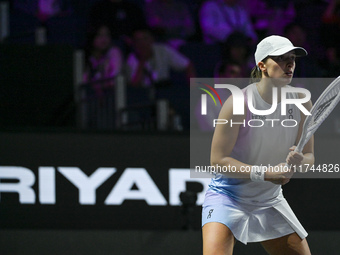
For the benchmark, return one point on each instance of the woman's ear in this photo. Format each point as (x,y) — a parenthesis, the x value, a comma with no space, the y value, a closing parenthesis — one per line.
(262,67)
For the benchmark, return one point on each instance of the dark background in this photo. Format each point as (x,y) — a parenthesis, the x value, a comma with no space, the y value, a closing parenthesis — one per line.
(38,128)
(313,200)
(134,227)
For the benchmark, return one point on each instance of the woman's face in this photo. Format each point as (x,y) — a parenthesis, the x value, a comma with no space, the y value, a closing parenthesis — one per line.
(280,67)
(102,41)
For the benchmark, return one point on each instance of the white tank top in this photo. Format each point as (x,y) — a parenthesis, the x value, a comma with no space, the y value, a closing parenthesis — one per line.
(266,145)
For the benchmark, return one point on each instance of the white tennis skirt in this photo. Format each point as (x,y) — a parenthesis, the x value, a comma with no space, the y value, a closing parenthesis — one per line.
(251,223)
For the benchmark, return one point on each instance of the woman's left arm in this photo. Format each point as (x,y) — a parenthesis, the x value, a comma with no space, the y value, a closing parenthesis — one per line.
(305,159)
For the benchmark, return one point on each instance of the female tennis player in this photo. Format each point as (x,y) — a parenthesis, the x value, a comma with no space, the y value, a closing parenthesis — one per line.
(248,204)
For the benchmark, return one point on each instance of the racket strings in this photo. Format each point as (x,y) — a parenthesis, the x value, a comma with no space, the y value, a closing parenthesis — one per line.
(320,110)
(325,104)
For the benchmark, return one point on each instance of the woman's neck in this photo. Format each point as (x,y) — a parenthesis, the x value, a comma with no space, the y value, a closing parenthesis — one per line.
(265,89)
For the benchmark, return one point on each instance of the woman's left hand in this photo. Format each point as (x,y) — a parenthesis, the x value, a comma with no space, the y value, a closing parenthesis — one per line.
(294,158)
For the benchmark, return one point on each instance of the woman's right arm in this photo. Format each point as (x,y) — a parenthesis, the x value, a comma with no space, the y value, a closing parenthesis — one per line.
(223,142)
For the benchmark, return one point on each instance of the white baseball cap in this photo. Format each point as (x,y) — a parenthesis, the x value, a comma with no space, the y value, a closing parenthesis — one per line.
(275,45)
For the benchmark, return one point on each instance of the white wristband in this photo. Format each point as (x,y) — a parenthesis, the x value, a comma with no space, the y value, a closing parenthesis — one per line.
(257,174)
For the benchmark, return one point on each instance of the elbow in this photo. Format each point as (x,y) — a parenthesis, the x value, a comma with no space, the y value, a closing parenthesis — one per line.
(214,160)
(219,161)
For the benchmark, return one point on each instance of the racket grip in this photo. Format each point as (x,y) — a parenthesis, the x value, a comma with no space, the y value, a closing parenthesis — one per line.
(296,149)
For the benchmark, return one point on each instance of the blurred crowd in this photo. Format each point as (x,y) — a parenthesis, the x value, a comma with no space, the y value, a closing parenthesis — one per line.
(163,43)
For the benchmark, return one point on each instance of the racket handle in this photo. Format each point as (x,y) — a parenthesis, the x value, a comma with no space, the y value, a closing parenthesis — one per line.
(296,149)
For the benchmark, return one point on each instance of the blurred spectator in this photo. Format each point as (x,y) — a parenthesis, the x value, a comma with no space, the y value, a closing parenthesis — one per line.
(237,49)
(309,15)
(170,20)
(44,9)
(331,23)
(121,16)
(329,36)
(267,15)
(149,72)
(103,59)
(228,69)
(60,22)
(306,67)
(332,13)
(150,63)
(331,62)
(225,72)
(220,18)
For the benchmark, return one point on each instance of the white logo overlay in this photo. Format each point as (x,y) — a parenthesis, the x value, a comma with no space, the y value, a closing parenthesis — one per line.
(239,102)
(282,109)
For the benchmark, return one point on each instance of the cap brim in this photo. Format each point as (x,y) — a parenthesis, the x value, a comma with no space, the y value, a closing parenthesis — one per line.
(299,51)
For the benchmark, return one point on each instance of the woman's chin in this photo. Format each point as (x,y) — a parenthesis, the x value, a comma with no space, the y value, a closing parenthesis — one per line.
(282,81)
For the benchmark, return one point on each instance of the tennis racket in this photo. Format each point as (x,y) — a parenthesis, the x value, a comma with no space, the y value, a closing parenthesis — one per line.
(319,112)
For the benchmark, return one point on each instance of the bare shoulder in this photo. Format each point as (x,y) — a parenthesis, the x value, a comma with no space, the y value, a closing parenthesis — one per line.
(308,104)
(227,110)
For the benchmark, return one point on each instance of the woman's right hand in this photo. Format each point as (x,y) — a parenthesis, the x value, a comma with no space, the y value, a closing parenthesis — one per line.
(279,174)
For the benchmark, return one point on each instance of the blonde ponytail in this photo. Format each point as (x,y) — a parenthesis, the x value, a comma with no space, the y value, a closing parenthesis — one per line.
(255,75)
